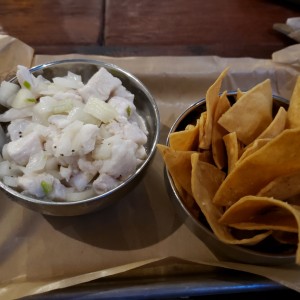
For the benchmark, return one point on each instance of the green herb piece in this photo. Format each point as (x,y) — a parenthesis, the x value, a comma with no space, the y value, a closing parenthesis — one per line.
(47,187)
(27,84)
(128,110)
(31,100)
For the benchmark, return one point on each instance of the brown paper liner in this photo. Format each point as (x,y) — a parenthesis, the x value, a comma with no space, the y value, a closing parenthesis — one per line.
(42,253)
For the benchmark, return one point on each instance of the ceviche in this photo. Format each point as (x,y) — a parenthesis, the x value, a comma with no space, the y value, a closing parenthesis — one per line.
(66,140)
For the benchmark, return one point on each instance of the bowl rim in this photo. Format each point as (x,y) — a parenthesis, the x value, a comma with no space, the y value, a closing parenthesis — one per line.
(49,203)
(264,257)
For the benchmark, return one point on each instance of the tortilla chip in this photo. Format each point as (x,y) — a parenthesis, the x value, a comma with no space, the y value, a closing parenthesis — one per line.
(212,98)
(284,237)
(262,213)
(187,200)
(179,165)
(185,140)
(163,149)
(239,94)
(233,149)
(202,122)
(218,146)
(293,120)
(251,114)
(250,149)
(206,179)
(276,126)
(277,158)
(282,187)
(295,200)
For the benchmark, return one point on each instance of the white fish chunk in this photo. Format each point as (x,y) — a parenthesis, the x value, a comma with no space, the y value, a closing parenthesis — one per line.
(65,172)
(88,166)
(128,131)
(21,149)
(16,128)
(62,141)
(71,81)
(123,92)
(42,185)
(37,162)
(104,183)
(80,181)
(100,85)
(60,121)
(85,140)
(123,161)
(16,113)
(123,106)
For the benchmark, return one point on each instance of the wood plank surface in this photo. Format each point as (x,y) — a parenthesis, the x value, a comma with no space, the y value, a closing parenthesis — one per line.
(232,28)
(53,22)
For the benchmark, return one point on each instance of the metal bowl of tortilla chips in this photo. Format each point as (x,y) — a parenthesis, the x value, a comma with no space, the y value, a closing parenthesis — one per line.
(233,172)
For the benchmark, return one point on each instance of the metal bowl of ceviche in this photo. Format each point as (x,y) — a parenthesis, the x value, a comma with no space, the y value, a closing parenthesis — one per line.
(75,135)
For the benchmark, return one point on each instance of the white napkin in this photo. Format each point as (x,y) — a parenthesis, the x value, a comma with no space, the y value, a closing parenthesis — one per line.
(289,55)
(291,28)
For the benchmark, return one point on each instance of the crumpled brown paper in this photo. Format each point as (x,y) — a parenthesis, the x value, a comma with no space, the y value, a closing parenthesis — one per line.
(12,53)
(42,253)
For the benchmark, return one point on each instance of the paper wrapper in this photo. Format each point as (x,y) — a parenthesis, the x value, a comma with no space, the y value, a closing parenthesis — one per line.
(290,28)
(41,253)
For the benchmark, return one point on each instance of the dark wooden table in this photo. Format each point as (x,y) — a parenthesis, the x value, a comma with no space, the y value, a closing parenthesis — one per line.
(231,28)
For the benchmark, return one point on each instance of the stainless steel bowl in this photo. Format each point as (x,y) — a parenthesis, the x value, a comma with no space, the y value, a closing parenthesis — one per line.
(263,255)
(147,108)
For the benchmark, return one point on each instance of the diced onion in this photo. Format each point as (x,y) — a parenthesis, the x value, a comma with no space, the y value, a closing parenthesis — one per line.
(62,106)
(100,110)
(23,98)
(76,196)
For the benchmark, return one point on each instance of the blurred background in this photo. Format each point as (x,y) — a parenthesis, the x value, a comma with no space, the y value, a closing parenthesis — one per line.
(229,28)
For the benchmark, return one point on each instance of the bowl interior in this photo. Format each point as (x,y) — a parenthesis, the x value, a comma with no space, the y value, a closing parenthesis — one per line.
(267,252)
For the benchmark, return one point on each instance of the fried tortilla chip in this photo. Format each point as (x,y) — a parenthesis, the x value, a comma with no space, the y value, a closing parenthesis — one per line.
(251,114)
(239,94)
(233,150)
(218,146)
(276,126)
(187,200)
(262,213)
(202,122)
(206,179)
(293,120)
(179,165)
(278,157)
(256,145)
(185,140)
(282,187)
(285,237)
(163,149)
(212,98)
